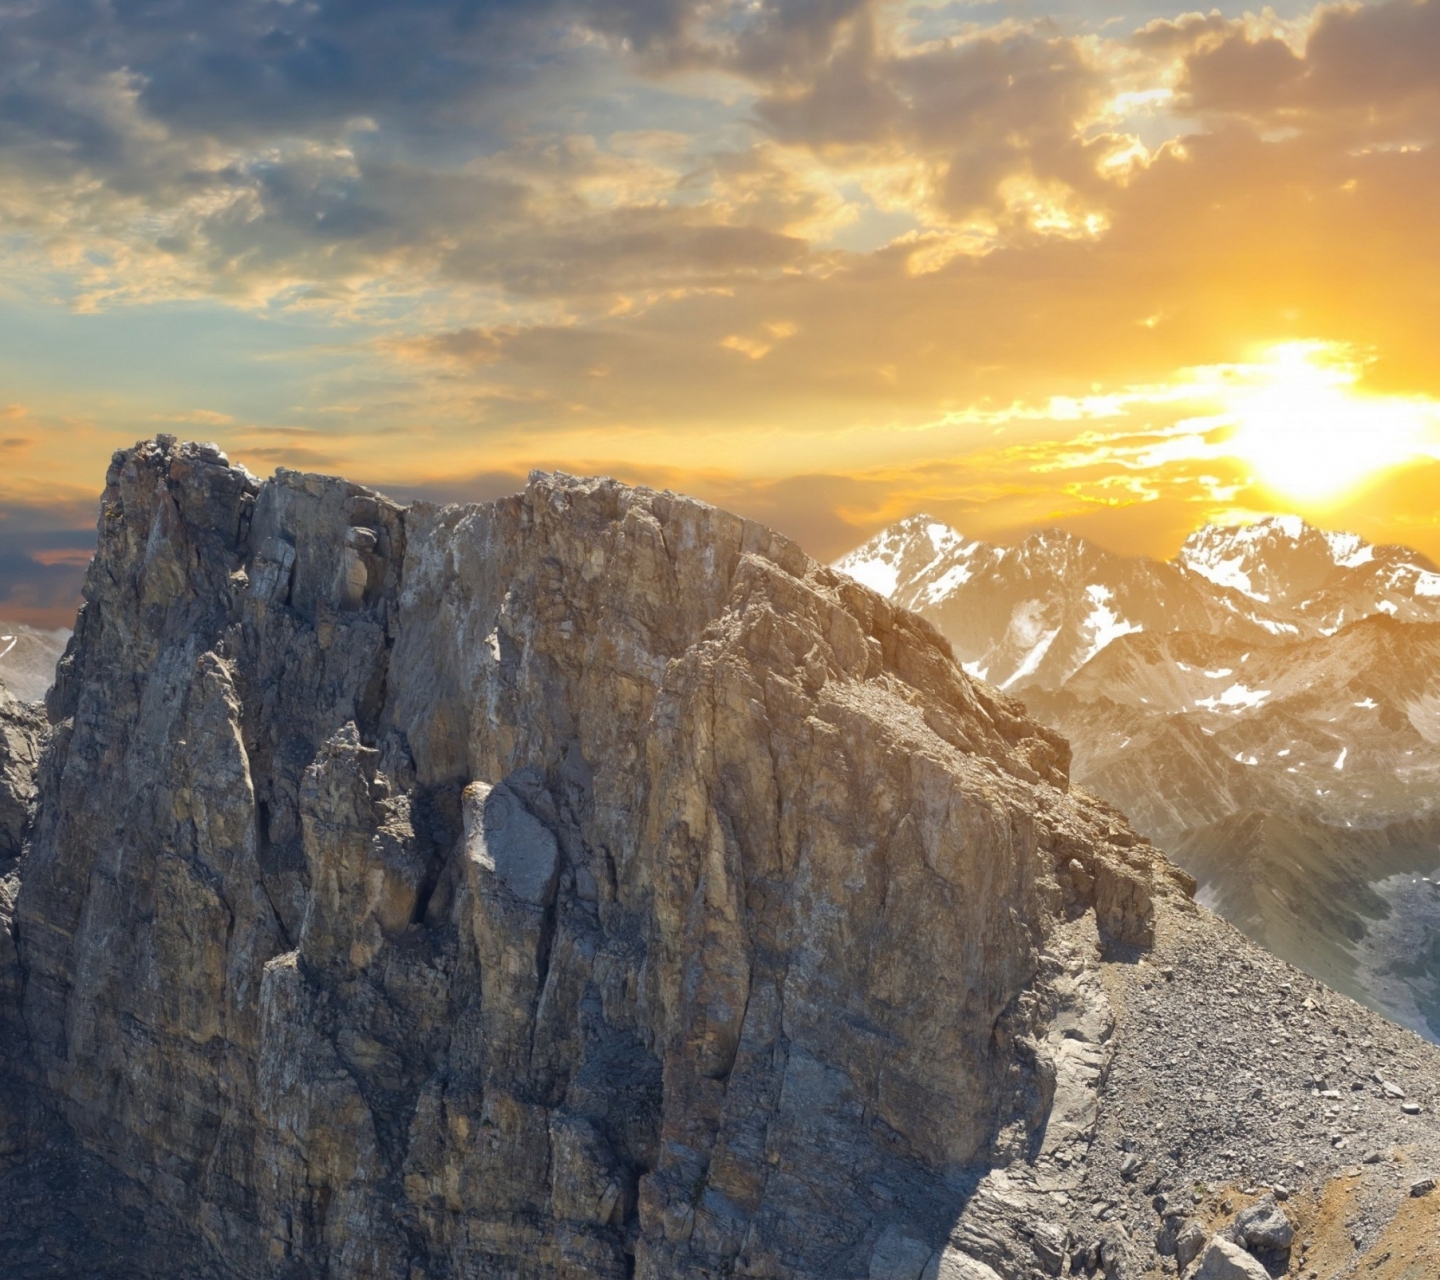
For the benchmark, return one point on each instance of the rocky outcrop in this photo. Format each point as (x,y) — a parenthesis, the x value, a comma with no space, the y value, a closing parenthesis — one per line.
(22,734)
(584,884)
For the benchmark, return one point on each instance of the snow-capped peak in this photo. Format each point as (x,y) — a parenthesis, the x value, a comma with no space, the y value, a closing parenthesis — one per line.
(1271,558)
(900,552)
(1350,550)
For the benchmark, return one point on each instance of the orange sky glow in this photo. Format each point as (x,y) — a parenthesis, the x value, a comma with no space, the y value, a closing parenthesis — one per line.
(1124,271)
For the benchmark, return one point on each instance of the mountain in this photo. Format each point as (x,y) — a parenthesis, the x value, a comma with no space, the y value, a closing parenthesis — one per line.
(1266,707)
(590,884)
(1298,782)
(1312,581)
(27,659)
(1346,726)
(1359,907)
(1033,614)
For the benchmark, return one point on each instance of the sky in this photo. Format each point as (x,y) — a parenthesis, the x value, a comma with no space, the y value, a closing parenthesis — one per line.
(1122,269)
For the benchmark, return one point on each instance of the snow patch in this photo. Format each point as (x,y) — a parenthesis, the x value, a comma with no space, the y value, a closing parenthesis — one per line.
(1427,584)
(1367,704)
(1349,550)
(1236,698)
(1227,573)
(942,536)
(957,575)
(1424,714)
(1340,759)
(873,571)
(1033,659)
(1103,625)
(975,670)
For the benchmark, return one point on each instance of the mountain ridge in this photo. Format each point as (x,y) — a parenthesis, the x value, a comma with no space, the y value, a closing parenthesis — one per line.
(590,884)
(1034,613)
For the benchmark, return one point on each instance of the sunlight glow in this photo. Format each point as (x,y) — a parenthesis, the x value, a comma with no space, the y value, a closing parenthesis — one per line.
(1310,434)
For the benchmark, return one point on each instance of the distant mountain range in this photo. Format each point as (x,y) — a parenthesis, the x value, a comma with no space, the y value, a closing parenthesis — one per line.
(27,659)
(1035,613)
(1266,707)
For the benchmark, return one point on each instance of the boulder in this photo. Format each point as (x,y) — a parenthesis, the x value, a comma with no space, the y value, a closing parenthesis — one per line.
(1263,1226)
(1223,1260)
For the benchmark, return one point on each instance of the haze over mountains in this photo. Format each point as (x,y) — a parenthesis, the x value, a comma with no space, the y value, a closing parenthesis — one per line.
(1266,706)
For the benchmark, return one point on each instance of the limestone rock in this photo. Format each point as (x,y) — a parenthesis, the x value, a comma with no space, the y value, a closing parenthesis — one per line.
(951,1264)
(897,1256)
(22,733)
(1263,1226)
(1189,1241)
(1223,1260)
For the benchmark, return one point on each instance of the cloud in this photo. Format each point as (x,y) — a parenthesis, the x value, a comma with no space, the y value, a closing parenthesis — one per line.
(42,563)
(759,240)
(1364,69)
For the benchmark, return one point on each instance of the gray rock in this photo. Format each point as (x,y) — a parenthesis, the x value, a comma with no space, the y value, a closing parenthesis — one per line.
(1422,1187)
(897,1256)
(950,1264)
(1189,1241)
(510,844)
(1263,1225)
(1048,1241)
(1222,1260)
(22,735)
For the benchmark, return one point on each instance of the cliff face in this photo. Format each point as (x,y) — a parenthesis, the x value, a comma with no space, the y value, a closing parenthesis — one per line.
(582,884)
(22,734)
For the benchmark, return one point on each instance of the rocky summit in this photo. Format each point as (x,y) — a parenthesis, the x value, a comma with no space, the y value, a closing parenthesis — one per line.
(589,884)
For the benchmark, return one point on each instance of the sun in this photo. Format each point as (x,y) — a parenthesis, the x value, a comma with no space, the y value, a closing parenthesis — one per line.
(1309,434)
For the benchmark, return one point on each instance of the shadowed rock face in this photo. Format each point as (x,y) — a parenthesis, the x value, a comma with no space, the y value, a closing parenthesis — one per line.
(22,734)
(586,884)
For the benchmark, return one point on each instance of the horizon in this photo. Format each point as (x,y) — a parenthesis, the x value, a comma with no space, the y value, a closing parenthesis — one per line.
(61,573)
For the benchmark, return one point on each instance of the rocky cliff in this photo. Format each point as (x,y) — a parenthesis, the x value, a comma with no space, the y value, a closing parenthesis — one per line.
(588,884)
